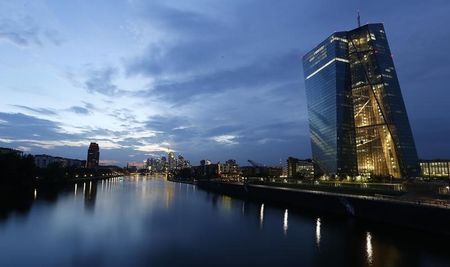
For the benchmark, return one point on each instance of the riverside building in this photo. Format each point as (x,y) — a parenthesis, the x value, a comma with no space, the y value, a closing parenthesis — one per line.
(357,117)
(93,156)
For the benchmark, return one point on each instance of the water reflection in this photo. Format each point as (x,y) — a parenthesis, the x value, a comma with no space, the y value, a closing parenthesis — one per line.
(261,216)
(91,196)
(226,202)
(318,232)
(35,193)
(132,225)
(169,194)
(369,249)
(285,222)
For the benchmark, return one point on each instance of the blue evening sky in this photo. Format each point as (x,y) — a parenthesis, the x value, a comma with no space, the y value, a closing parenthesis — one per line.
(209,79)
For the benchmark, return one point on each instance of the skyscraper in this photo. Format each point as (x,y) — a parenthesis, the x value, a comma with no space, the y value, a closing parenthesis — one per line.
(358,121)
(171,160)
(93,156)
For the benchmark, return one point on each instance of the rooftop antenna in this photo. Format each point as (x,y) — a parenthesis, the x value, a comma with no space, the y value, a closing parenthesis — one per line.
(359,20)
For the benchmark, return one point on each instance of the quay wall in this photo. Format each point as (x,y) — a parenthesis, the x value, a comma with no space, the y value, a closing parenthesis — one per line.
(431,218)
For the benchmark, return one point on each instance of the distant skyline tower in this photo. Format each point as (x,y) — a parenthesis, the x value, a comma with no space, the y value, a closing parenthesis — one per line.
(171,160)
(357,116)
(93,156)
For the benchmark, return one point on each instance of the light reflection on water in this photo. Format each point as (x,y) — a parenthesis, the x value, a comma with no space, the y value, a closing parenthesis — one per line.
(226,202)
(261,216)
(369,249)
(285,222)
(145,222)
(318,232)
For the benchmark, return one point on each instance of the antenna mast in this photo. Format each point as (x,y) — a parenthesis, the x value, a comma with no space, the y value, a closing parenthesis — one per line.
(359,20)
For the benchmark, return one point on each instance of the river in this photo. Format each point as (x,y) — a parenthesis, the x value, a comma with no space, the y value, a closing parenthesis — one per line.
(141,221)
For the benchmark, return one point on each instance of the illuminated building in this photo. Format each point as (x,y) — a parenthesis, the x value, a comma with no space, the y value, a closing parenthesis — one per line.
(358,121)
(93,156)
(297,168)
(435,168)
(182,162)
(230,169)
(171,160)
(207,169)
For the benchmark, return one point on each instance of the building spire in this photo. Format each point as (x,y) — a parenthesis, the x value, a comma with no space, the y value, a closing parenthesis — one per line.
(359,20)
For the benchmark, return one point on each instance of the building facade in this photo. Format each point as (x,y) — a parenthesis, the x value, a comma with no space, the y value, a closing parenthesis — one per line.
(358,121)
(435,169)
(171,160)
(297,168)
(42,161)
(93,156)
(230,169)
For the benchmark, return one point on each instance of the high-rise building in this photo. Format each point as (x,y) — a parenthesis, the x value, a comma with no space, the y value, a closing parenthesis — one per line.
(93,156)
(171,160)
(358,121)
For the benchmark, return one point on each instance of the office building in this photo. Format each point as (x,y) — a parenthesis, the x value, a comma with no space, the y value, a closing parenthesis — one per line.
(93,156)
(358,121)
(297,168)
(438,168)
(171,160)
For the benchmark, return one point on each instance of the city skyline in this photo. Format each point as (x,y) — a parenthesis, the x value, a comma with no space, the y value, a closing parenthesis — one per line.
(201,79)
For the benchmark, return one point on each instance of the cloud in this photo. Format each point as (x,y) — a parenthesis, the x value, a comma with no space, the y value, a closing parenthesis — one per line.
(152,147)
(46,144)
(25,32)
(79,110)
(43,111)
(225,139)
(46,111)
(21,126)
(28,131)
(124,114)
(101,80)
(167,123)
(108,162)
(51,144)
(270,71)
(24,148)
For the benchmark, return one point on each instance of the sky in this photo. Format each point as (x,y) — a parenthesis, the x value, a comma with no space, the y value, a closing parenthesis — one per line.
(204,78)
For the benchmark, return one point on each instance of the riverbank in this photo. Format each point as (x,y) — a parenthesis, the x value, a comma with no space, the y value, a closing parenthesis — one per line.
(386,209)
(77,180)
(181,181)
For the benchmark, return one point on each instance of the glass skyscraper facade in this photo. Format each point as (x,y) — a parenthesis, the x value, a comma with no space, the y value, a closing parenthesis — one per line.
(357,117)
(330,109)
